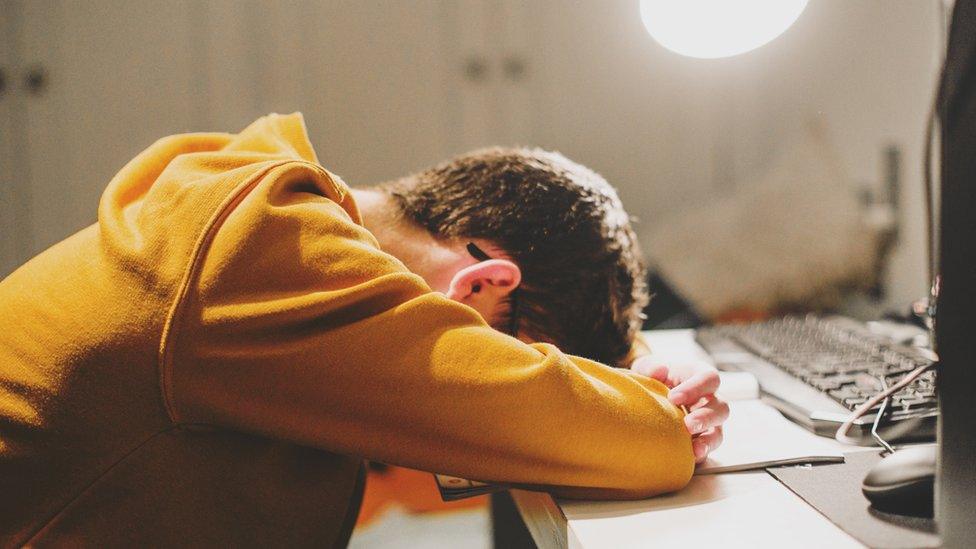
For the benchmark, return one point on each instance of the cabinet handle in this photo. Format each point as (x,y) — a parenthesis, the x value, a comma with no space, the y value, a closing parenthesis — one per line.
(514,68)
(3,81)
(476,69)
(36,80)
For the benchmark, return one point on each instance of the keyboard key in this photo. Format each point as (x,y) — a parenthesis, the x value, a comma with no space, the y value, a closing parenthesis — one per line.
(845,393)
(867,382)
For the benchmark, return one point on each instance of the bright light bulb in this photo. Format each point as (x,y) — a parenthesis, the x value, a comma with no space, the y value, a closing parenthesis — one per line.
(717,28)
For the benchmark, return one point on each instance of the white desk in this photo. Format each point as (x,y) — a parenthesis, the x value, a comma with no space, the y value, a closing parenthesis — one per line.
(732,510)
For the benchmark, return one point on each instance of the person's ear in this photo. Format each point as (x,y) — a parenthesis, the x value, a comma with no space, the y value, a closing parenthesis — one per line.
(485,281)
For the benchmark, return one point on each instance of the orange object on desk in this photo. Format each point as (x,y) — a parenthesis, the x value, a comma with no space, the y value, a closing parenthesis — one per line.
(414,491)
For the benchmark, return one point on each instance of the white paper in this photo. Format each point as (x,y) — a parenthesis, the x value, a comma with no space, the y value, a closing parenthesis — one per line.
(756,435)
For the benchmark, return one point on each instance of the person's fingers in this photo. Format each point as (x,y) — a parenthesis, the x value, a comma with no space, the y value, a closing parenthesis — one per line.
(694,388)
(651,368)
(712,414)
(705,443)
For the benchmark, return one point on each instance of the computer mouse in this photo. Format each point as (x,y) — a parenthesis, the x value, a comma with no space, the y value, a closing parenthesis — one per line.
(903,482)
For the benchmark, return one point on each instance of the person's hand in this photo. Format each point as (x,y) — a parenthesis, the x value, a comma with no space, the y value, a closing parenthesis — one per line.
(693,386)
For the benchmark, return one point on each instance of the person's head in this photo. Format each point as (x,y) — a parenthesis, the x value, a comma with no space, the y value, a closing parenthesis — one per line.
(549,235)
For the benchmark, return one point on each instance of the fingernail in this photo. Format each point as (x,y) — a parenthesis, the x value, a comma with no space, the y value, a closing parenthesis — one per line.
(700,449)
(697,426)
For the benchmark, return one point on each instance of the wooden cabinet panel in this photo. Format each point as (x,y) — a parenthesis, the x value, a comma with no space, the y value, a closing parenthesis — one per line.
(119,76)
(14,201)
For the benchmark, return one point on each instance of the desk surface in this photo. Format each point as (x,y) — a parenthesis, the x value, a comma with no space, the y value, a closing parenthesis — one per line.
(734,510)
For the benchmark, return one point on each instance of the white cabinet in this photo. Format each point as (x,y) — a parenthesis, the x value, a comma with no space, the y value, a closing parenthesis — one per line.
(13,236)
(375,80)
(372,78)
(109,79)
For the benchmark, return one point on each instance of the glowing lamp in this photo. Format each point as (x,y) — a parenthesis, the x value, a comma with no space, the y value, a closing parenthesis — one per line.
(717,28)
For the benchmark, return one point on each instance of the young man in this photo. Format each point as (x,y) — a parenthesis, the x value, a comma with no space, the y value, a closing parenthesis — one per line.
(211,362)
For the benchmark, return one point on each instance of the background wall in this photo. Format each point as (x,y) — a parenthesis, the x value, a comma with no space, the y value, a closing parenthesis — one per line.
(391,87)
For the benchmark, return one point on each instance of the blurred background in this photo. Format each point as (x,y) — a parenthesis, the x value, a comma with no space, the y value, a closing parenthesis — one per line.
(786,178)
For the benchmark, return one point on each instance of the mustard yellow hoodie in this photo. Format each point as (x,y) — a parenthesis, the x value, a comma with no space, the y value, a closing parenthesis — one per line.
(212,360)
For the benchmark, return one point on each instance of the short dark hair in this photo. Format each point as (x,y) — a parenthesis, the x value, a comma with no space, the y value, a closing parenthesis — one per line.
(583,277)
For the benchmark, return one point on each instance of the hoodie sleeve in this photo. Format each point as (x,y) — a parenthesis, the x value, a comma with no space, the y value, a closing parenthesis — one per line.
(290,322)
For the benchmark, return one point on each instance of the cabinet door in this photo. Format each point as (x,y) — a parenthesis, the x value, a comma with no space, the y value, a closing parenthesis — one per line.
(14,216)
(373,79)
(114,77)
(489,73)
(606,95)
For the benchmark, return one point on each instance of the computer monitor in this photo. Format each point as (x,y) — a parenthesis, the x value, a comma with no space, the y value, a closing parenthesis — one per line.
(956,309)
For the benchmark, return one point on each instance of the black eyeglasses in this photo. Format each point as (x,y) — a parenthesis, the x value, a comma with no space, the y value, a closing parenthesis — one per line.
(513,319)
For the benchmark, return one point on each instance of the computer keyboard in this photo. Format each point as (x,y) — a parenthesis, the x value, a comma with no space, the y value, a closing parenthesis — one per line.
(837,358)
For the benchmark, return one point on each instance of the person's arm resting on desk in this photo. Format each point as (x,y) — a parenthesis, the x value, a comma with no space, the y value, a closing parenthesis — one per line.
(294,325)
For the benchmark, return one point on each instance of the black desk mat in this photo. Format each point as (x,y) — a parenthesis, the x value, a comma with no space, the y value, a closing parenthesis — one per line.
(835,491)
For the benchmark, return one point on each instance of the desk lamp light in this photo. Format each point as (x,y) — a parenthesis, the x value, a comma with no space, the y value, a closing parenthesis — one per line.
(711,29)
